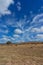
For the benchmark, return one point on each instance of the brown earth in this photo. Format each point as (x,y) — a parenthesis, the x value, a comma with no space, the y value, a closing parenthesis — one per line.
(21,54)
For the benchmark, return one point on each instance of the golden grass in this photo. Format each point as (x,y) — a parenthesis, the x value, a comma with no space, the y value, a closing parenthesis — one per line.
(24,54)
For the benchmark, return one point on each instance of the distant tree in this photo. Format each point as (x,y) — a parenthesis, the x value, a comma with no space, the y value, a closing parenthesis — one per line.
(8,43)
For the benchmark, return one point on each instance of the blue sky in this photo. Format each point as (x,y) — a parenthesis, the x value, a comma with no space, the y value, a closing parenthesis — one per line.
(21,20)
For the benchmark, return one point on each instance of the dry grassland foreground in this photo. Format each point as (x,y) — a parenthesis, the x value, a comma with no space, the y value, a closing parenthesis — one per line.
(21,54)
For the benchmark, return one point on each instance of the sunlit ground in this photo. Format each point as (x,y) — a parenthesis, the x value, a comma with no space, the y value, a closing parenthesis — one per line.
(24,54)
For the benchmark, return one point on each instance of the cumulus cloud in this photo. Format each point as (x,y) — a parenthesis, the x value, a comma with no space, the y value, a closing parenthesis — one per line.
(40,36)
(6,38)
(18,31)
(37,29)
(4,4)
(16,36)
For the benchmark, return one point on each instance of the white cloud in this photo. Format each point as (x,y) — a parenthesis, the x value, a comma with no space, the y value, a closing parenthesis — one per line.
(16,36)
(4,39)
(19,24)
(7,38)
(10,22)
(18,31)
(26,30)
(18,6)
(18,3)
(4,4)
(37,29)
(38,18)
(3,26)
(4,31)
(40,36)
(13,39)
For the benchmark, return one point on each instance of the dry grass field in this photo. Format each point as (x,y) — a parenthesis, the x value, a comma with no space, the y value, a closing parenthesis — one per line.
(21,54)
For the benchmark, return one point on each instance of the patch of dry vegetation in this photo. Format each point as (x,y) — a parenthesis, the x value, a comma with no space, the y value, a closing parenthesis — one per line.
(21,54)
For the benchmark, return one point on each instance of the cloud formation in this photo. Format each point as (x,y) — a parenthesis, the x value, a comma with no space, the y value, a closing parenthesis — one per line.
(24,30)
(4,4)
(18,6)
(39,36)
(37,29)
(16,36)
(18,31)
(38,18)
(4,31)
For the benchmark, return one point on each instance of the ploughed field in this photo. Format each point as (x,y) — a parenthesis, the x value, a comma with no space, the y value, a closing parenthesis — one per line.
(21,54)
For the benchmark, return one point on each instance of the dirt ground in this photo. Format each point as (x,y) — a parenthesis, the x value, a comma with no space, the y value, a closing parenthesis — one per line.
(24,54)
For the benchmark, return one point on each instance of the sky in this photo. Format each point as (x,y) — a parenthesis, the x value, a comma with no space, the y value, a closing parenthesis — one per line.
(21,20)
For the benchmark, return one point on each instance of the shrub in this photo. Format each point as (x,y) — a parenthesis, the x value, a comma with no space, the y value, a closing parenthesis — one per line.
(8,43)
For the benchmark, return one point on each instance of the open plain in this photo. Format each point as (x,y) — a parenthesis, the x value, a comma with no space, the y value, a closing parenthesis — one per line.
(21,54)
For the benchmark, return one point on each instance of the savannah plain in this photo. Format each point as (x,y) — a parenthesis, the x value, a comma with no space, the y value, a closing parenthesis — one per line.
(21,54)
